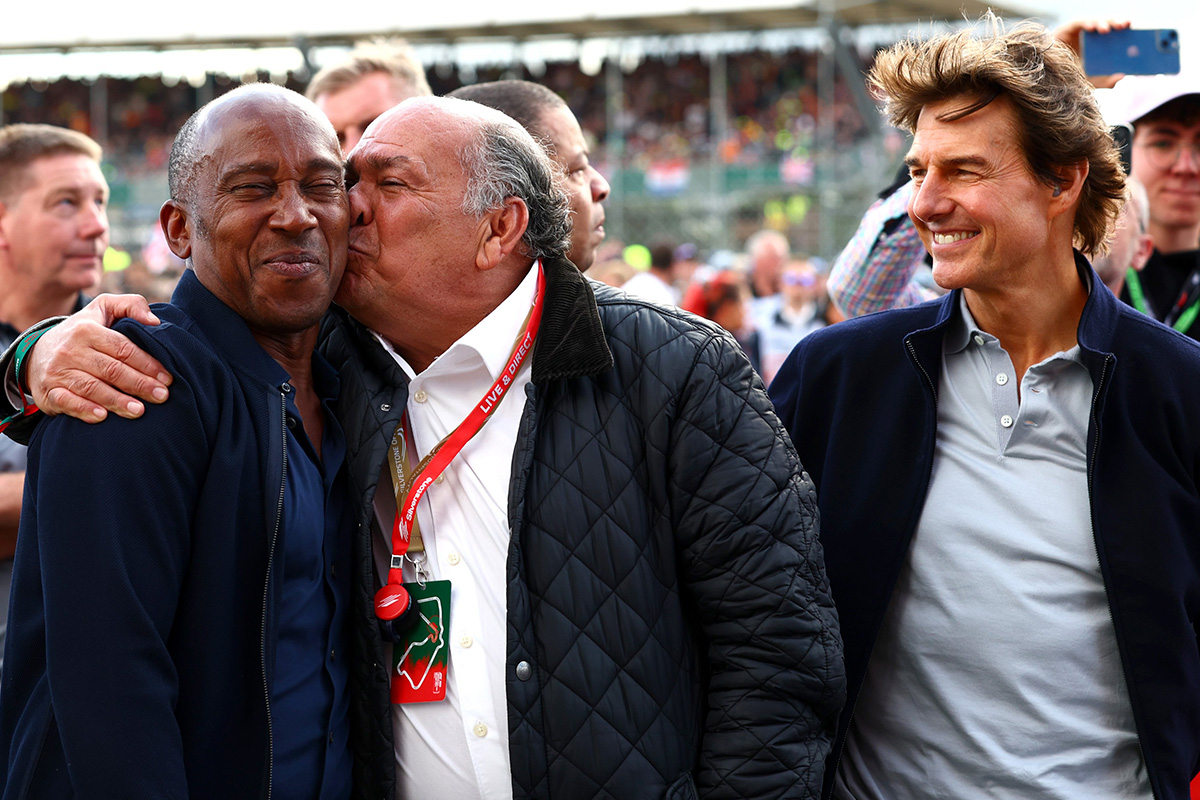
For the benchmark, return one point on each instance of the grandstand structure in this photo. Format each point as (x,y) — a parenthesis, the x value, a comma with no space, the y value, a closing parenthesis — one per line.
(711,118)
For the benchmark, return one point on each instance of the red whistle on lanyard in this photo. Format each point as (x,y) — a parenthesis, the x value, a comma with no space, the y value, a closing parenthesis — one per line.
(396,611)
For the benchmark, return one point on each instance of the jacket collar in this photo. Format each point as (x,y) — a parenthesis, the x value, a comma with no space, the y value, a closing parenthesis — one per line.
(225,329)
(1097,324)
(571,342)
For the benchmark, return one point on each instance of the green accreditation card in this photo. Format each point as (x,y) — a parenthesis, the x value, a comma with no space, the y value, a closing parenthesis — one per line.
(420,660)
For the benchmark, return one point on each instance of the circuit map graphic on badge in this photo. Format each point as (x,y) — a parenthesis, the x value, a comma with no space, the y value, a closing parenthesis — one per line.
(420,656)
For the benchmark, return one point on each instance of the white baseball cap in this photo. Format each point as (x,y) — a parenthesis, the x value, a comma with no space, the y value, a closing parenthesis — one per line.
(1135,96)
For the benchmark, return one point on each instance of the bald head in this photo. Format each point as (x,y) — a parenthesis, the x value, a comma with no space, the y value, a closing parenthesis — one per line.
(454,115)
(194,141)
(499,157)
(258,208)
(450,202)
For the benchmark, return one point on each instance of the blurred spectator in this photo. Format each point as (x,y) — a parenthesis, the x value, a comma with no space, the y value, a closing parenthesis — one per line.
(683,266)
(723,298)
(375,76)
(654,283)
(767,251)
(877,267)
(614,272)
(784,319)
(1131,245)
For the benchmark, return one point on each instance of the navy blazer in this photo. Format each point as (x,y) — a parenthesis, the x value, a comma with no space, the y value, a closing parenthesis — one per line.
(860,401)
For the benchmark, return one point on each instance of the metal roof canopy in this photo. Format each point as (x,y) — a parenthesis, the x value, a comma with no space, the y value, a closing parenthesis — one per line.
(621,18)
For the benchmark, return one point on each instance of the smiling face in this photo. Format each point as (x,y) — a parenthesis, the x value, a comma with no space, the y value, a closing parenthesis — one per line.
(586,187)
(54,229)
(979,211)
(1173,188)
(266,225)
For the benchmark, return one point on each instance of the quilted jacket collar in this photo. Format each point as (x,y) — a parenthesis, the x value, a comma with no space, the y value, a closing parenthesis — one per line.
(571,342)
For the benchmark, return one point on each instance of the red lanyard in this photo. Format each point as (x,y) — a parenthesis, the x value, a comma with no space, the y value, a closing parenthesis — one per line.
(440,457)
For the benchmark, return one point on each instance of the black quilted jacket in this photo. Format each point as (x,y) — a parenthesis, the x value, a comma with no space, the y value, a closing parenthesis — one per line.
(666,583)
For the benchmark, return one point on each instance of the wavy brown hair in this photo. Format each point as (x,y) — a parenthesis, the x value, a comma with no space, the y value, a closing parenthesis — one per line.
(1058,123)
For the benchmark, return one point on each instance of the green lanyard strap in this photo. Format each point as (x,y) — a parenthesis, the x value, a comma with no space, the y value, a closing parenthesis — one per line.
(1137,294)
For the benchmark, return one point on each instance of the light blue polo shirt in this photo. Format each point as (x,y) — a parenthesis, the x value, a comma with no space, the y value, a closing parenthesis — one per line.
(996,673)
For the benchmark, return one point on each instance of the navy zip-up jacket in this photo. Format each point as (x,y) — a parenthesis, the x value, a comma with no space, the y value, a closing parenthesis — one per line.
(158,578)
(860,401)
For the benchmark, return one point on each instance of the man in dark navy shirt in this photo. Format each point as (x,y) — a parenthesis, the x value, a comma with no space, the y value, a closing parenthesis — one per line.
(181,582)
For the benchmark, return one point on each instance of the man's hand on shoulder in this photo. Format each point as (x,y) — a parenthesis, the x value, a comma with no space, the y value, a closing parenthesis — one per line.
(84,369)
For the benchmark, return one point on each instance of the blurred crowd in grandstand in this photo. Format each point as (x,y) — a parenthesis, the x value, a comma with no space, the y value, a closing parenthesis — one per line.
(664,110)
(663,125)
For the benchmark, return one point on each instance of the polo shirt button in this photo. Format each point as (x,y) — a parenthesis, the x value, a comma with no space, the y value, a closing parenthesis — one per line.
(978,339)
(420,396)
(480,730)
(1001,378)
(440,478)
(454,558)
(1006,421)
(466,641)
(524,671)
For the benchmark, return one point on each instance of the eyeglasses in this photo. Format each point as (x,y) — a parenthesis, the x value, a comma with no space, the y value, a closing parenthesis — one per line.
(1163,153)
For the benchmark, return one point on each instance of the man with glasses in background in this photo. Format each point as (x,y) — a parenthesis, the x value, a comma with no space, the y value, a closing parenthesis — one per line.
(1165,113)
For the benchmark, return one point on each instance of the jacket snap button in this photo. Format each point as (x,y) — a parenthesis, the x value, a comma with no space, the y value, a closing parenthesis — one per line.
(524,671)
(385,407)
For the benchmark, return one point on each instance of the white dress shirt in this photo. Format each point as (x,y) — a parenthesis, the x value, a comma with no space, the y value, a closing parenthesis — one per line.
(458,747)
